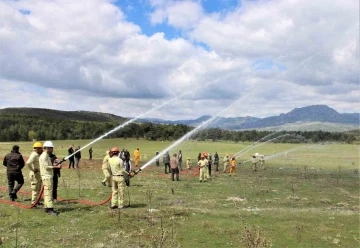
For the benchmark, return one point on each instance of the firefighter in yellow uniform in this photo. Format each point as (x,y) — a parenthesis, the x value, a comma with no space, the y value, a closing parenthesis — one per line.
(203,167)
(137,156)
(188,163)
(118,171)
(262,162)
(34,167)
(106,169)
(232,166)
(254,162)
(47,173)
(226,162)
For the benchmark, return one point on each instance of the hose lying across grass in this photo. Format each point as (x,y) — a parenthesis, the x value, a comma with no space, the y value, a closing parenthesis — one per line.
(18,204)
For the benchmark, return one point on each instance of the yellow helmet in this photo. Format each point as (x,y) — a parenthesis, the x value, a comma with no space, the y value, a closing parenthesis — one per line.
(37,145)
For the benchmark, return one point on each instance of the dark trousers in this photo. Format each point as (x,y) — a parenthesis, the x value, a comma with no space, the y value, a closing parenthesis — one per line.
(209,168)
(12,178)
(77,161)
(216,165)
(175,172)
(90,156)
(157,163)
(167,166)
(71,163)
(55,186)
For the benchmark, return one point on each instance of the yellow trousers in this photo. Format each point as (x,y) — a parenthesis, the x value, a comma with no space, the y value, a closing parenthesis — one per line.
(35,183)
(232,171)
(118,185)
(107,178)
(202,173)
(48,193)
(136,160)
(225,166)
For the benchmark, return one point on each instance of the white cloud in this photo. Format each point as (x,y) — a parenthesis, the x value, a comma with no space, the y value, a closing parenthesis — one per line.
(85,55)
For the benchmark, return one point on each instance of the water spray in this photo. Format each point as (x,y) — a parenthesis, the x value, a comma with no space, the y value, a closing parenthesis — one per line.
(122,126)
(242,152)
(189,134)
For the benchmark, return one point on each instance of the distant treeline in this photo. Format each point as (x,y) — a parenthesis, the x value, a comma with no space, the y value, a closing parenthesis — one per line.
(27,128)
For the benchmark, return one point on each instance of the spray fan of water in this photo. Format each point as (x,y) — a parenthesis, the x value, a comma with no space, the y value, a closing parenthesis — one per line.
(189,134)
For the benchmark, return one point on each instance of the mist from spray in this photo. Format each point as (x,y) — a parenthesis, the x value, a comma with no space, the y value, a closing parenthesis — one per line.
(256,144)
(127,123)
(263,143)
(189,134)
(278,154)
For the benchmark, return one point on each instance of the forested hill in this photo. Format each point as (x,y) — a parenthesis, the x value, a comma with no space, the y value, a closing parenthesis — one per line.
(24,124)
(58,114)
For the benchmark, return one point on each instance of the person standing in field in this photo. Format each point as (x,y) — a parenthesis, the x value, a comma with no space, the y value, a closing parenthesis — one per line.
(262,162)
(14,162)
(199,156)
(90,153)
(188,163)
(226,162)
(209,164)
(77,157)
(157,161)
(47,174)
(166,161)
(202,167)
(180,158)
(33,164)
(254,163)
(232,166)
(118,183)
(174,165)
(56,176)
(137,156)
(128,167)
(106,169)
(71,158)
(216,161)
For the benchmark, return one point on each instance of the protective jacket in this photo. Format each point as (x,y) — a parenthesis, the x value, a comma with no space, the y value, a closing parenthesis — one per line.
(14,162)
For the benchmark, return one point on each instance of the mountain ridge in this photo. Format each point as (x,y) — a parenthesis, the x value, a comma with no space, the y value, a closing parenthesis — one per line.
(316,116)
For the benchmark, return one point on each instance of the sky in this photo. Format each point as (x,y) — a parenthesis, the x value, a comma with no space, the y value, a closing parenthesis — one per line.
(128,56)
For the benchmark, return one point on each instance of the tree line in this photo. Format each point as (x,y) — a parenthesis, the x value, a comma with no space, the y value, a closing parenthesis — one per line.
(28,128)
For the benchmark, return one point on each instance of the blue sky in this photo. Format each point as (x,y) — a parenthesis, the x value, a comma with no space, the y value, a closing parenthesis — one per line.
(218,50)
(138,11)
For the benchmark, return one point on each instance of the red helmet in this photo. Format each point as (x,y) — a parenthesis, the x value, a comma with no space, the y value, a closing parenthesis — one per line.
(115,150)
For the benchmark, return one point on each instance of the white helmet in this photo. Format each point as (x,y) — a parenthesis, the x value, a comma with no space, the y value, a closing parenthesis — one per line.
(48,144)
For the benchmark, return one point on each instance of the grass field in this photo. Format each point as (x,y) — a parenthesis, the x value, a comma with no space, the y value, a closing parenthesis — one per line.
(306,198)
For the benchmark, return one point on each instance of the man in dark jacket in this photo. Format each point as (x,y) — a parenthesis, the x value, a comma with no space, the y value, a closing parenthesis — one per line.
(71,159)
(14,162)
(216,161)
(53,159)
(166,161)
(77,157)
(90,153)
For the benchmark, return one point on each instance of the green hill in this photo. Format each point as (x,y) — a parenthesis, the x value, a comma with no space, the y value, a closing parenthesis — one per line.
(58,114)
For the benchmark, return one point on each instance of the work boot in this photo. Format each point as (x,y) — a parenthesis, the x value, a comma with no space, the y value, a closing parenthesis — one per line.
(103,183)
(114,207)
(52,212)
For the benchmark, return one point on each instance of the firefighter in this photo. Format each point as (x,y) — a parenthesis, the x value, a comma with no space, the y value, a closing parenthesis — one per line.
(232,166)
(47,174)
(216,161)
(203,167)
(262,162)
(106,169)
(209,164)
(188,163)
(137,156)
(118,172)
(14,162)
(226,162)
(254,162)
(34,167)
